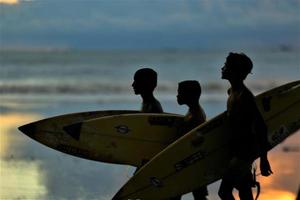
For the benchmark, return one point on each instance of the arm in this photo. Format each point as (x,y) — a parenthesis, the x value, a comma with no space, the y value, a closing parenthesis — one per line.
(265,167)
(261,131)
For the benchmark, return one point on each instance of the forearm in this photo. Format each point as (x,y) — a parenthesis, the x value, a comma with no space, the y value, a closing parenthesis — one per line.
(265,166)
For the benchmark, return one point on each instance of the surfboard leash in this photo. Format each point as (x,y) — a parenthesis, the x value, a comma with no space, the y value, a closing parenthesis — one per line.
(255,182)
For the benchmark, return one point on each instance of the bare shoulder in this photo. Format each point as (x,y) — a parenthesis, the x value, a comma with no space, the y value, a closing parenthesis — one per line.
(152,107)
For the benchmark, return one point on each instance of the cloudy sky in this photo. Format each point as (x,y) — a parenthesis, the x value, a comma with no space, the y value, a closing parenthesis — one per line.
(149,23)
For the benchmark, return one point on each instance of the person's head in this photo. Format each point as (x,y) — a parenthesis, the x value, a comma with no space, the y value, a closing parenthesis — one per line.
(145,81)
(188,92)
(236,67)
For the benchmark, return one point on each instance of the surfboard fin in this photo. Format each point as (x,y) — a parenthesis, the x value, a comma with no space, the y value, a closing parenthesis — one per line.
(73,130)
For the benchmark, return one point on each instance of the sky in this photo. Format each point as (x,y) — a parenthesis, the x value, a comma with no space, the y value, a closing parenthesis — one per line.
(154,24)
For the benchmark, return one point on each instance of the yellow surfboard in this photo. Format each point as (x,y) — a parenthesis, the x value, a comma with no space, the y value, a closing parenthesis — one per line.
(200,157)
(50,131)
(131,139)
(117,137)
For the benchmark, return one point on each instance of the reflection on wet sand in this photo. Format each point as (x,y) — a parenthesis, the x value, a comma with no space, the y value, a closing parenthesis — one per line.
(277,195)
(23,177)
(8,129)
(20,179)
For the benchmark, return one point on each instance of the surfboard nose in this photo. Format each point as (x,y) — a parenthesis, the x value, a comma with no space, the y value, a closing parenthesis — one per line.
(28,129)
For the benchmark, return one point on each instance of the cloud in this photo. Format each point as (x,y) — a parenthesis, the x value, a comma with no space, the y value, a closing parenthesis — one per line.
(200,21)
(13,2)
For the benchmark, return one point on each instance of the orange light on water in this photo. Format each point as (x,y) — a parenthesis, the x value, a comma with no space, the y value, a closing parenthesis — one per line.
(277,195)
(283,184)
(271,194)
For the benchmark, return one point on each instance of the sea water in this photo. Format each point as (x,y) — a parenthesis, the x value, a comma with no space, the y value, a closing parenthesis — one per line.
(36,84)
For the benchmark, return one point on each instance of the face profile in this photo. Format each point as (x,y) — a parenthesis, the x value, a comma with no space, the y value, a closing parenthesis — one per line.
(137,85)
(188,92)
(180,97)
(227,72)
(236,67)
(144,81)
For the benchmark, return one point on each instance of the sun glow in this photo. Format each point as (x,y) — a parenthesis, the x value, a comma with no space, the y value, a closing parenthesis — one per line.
(8,123)
(9,1)
(286,173)
(277,195)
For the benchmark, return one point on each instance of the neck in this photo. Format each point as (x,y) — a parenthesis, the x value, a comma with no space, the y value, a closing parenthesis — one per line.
(193,107)
(236,84)
(147,97)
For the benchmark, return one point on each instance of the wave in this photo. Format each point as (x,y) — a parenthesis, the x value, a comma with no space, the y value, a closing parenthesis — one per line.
(97,88)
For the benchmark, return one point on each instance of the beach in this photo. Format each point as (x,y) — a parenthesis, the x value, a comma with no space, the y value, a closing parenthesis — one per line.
(39,84)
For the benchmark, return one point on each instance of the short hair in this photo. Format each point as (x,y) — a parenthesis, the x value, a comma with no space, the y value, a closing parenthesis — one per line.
(147,75)
(241,63)
(191,88)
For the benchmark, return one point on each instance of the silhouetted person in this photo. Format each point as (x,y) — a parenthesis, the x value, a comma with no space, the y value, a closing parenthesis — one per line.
(248,132)
(145,81)
(188,94)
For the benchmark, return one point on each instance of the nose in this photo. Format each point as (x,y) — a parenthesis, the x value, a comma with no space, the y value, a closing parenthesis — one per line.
(223,68)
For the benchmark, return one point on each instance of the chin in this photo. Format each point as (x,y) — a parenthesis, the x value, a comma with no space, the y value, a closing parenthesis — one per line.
(223,76)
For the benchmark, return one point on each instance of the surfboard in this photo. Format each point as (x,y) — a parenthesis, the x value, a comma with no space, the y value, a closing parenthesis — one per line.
(50,131)
(131,139)
(117,137)
(200,157)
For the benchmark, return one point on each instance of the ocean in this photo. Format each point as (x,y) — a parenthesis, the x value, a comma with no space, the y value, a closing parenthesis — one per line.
(40,83)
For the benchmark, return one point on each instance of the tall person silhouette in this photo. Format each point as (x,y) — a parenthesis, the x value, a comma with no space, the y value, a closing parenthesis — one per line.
(248,132)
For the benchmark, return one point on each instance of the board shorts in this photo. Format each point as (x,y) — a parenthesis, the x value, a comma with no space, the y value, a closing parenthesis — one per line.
(238,173)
